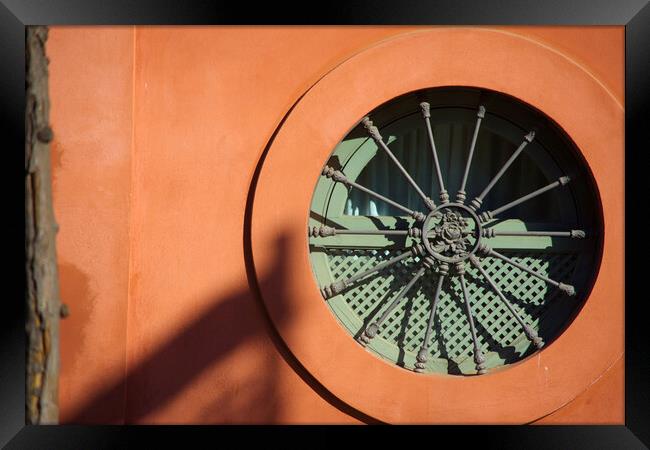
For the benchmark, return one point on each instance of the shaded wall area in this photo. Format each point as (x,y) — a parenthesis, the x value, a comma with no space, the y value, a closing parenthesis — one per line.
(158,132)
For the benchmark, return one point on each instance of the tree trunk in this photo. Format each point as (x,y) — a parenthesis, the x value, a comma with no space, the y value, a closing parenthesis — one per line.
(42,294)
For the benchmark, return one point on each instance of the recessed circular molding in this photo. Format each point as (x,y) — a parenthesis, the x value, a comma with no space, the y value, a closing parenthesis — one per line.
(480,57)
(410,286)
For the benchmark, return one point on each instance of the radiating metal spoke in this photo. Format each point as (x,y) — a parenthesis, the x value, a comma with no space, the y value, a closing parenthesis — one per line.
(337,175)
(450,237)
(479,358)
(423,354)
(488,215)
(373,131)
(325,231)
(426,114)
(567,288)
(372,329)
(462,195)
(574,234)
(530,332)
(476,203)
(338,286)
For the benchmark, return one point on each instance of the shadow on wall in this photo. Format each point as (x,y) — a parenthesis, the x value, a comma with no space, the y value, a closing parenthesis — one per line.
(231,322)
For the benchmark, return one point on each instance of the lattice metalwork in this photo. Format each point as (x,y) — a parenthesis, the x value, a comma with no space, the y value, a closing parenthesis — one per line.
(451,337)
(432,293)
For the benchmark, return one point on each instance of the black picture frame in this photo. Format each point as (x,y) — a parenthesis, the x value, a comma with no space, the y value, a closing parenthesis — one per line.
(16,14)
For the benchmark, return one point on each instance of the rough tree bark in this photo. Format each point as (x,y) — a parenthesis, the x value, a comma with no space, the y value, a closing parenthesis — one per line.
(42,294)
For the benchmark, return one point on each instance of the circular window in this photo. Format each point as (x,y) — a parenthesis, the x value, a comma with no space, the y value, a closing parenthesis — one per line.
(455,230)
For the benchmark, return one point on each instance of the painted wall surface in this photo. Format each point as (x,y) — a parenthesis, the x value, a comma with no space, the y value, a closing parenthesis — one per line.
(158,131)
(91,87)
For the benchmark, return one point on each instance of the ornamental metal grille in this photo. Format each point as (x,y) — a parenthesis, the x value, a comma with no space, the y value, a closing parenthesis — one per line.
(463,281)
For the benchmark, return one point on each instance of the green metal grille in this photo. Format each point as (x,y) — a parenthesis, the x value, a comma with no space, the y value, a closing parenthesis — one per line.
(451,336)
(520,249)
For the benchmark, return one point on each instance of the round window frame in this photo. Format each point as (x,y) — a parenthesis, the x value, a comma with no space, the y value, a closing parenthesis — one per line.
(480,57)
(558,156)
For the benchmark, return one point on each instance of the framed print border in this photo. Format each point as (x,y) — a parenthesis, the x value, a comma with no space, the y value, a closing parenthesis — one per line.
(15,15)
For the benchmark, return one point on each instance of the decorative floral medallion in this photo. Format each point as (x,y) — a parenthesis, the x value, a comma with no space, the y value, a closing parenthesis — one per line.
(451,232)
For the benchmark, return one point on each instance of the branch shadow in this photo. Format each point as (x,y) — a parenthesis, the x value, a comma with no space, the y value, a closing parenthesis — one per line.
(218,332)
(153,383)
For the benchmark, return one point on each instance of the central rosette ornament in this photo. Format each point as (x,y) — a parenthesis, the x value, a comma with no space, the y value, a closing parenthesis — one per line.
(451,232)
(450,235)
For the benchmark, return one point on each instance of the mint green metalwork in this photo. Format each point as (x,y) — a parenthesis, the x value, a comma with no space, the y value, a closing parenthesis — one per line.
(415,289)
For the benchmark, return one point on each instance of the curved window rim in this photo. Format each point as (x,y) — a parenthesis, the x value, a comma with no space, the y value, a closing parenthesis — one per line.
(547,136)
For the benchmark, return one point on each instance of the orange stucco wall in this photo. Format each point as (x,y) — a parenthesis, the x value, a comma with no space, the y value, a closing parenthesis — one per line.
(158,131)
